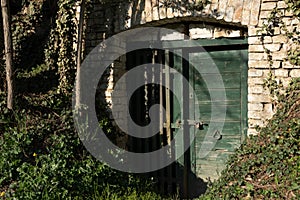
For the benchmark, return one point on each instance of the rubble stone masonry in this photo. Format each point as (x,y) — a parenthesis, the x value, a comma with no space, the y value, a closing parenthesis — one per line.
(221,18)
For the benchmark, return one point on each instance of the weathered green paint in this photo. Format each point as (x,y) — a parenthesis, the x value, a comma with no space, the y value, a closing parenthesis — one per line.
(232,65)
(230,57)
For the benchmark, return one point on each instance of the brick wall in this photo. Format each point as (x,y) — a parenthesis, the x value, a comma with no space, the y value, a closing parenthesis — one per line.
(221,18)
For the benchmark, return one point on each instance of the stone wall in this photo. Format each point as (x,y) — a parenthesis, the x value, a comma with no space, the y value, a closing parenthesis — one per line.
(221,18)
(260,107)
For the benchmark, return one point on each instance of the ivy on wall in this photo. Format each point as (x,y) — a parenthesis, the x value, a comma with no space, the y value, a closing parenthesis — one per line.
(60,52)
(44,34)
(292,32)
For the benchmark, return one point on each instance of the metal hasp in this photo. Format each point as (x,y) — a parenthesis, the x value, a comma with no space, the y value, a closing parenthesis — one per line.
(198,124)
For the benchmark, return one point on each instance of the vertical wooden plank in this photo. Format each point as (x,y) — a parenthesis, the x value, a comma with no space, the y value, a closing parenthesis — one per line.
(177,115)
(168,115)
(167,93)
(192,115)
(186,131)
(244,94)
(161,134)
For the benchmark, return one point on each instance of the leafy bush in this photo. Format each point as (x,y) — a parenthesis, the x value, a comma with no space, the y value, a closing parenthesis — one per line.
(43,158)
(266,166)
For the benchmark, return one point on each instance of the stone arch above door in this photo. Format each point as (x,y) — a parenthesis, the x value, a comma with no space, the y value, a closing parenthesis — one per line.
(106,19)
(227,11)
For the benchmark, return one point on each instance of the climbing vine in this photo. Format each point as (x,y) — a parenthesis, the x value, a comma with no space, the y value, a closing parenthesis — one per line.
(60,52)
(289,31)
(292,32)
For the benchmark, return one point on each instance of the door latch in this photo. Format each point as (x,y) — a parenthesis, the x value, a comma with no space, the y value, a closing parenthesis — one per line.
(198,124)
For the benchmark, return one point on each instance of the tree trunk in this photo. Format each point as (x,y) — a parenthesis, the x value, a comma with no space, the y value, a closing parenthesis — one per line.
(79,51)
(8,52)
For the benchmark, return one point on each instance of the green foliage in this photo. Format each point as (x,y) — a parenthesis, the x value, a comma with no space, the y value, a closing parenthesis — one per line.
(292,31)
(43,158)
(266,166)
(294,6)
(23,27)
(60,51)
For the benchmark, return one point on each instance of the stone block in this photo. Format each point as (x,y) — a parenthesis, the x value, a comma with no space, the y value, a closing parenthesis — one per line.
(279,55)
(268,107)
(254,40)
(286,81)
(268,111)
(246,17)
(254,12)
(197,32)
(162,13)
(279,39)
(295,21)
(281,4)
(281,73)
(255,81)
(256,89)
(148,10)
(268,6)
(148,16)
(255,122)
(253,31)
(247,5)
(254,114)
(267,40)
(255,106)
(206,10)
(214,7)
(277,31)
(255,73)
(257,56)
(229,14)
(288,65)
(265,14)
(259,98)
(258,64)
(176,12)
(170,13)
(287,20)
(273,47)
(143,18)
(154,3)
(252,132)
(155,13)
(222,8)
(237,16)
(295,73)
(261,23)
(288,13)
(256,48)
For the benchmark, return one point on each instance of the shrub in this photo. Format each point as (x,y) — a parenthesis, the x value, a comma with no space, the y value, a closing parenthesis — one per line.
(266,166)
(43,158)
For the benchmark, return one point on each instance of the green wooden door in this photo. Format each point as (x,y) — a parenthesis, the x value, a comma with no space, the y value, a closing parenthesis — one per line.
(194,115)
(232,65)
(217,131)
